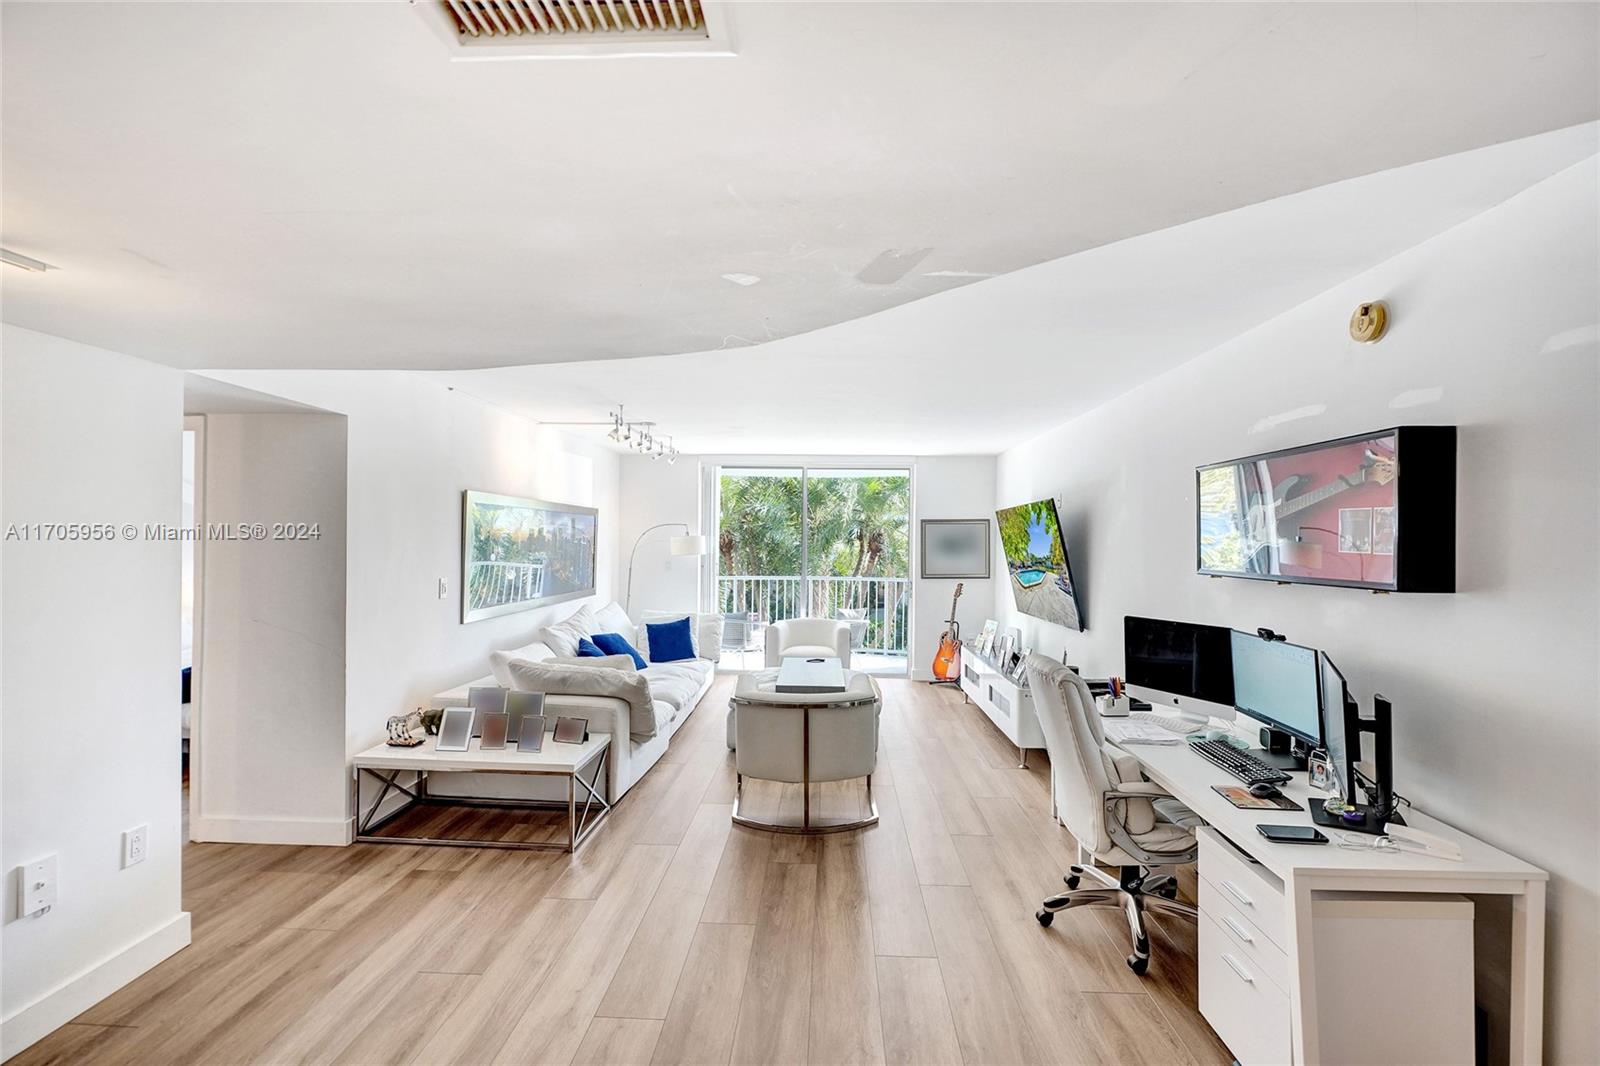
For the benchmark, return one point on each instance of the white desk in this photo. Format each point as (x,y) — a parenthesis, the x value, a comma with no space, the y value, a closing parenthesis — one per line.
(1306,870)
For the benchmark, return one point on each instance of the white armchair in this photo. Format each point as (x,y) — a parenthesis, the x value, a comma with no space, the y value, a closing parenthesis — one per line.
(811,637)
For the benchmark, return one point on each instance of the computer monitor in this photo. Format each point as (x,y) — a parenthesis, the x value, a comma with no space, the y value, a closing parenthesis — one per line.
(1341,734)
(1277,683)
(1179,664)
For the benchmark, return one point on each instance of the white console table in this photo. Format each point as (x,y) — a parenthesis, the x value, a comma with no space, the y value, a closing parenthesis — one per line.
(1008,705)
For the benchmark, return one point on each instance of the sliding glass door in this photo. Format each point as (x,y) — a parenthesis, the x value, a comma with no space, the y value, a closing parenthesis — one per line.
(820,543)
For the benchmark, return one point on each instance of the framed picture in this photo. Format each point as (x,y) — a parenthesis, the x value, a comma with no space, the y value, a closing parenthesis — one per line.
(571,730)
(986,637)
(520,706)
(955,548)
(517,554)
(532,736)
(485,699)
(455,729)
(495,724)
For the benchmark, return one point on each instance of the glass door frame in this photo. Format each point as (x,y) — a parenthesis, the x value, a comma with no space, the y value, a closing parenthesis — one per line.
(711,469)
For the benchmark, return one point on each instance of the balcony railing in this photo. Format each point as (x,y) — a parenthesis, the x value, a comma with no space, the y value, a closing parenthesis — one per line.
(877,608)
(493,584)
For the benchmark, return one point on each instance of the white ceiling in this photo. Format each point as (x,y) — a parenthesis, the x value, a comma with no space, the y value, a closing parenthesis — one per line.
(992,364)
(317,185)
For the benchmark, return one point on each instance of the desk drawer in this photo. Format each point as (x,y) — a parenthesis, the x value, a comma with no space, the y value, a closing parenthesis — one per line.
(1249,1013)
(1259,953)
(1254,891)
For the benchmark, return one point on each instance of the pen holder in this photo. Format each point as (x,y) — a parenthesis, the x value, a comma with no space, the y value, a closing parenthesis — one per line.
(1117,707)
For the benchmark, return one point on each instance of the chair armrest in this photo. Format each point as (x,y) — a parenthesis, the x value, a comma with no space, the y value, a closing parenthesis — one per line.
(1138,790)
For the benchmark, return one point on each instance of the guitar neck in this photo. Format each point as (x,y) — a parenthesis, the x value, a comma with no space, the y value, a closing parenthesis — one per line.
(1316,496)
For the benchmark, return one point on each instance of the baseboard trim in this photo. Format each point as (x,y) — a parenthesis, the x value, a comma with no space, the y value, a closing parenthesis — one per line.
(321,832)
(74,996)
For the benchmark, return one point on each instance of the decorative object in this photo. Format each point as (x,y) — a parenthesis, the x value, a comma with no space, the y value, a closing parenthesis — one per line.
(1036,560)
(518,553)
(683,544)
(669,642)
(430,720)
(1335,513)
(1369,321)
(617,644)
(986,637)
(456,729)
(955,547)
(403,729)
(571,730)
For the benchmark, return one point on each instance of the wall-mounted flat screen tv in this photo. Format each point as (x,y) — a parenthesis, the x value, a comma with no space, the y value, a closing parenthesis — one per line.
(1373,511)
(1036,562)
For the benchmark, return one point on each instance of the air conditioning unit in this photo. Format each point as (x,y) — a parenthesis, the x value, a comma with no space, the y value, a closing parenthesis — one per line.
(579,29)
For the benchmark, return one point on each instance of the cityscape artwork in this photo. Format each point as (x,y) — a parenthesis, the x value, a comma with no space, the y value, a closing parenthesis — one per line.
(517,554)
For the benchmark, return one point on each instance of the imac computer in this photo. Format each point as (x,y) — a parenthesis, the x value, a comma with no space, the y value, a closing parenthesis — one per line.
(1277,684)
(1180,665)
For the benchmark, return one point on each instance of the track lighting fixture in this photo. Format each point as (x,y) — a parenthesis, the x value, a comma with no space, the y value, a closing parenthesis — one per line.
(638,436)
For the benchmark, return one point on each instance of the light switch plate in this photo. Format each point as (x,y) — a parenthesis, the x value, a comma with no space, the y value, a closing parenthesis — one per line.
(38,886)
(444,588)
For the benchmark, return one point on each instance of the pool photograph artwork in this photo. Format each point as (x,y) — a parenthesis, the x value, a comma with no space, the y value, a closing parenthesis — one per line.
(1036,557)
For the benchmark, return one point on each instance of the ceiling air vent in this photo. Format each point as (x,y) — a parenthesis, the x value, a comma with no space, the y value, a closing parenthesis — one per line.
(502,29)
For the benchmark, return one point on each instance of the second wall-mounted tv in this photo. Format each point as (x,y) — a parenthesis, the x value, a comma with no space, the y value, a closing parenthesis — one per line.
(1037,564)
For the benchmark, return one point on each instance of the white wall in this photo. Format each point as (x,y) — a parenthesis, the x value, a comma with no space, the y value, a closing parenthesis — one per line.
(413,447)
(89,701)
(949,486)
(268,763)
(1494,687)
(652,492)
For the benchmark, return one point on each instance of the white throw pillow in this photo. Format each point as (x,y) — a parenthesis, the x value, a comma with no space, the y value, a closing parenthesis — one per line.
(613,619)
(563,637)
(535,652)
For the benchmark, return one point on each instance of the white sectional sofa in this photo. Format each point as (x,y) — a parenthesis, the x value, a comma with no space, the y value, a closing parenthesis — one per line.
(676,688)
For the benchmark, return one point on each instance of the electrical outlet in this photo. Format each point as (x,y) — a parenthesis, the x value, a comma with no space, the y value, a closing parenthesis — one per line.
(444,588)
(135,845)
(38,887)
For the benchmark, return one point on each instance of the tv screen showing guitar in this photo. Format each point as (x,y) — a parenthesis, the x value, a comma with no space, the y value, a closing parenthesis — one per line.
(1327,513)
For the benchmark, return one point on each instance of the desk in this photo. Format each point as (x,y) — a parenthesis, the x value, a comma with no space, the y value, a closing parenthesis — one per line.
(1307,870)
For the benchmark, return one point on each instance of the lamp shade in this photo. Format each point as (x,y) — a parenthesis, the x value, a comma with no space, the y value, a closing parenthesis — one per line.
(690,545)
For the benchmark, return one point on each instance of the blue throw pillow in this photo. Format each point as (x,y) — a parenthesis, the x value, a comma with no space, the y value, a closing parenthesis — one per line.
(669,642)
(617,644)
(589,648)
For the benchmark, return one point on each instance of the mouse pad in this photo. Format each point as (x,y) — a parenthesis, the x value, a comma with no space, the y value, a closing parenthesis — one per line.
(1239,796)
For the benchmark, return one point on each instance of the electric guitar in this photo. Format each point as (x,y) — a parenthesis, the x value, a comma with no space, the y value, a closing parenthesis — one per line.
(947,660)
(1264,522)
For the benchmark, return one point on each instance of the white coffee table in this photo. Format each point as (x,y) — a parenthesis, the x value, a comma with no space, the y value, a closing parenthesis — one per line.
(385,765)
(806,675)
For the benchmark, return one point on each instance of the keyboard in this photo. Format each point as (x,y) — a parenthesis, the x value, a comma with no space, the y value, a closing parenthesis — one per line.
(1170,722)
(1240,764)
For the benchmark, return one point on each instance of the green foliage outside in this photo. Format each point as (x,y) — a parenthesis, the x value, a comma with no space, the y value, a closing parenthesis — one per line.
(859,528)
(1029,532)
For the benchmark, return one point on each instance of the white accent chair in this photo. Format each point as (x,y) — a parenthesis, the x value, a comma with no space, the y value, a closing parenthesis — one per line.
(1117,817)
(804,739)
(808,638)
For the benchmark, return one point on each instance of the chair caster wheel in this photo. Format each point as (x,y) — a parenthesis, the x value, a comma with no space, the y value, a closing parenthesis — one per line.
(1045,918)
(1072,880)
(1138,965)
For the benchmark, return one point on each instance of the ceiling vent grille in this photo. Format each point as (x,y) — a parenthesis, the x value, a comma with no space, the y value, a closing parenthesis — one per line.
(574,20)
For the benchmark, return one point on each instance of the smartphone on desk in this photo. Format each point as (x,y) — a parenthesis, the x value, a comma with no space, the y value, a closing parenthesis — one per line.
(1292,834)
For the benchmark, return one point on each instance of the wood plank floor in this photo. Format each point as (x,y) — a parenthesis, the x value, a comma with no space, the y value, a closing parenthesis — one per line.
(674,937)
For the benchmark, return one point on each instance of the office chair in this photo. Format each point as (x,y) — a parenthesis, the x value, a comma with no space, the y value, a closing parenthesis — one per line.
(1117,817)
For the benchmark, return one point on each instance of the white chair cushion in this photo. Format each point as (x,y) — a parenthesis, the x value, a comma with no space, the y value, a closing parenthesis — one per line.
(673,684)
(810,651)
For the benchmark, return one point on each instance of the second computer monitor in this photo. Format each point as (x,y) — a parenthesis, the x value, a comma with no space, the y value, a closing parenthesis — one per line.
(1278,683)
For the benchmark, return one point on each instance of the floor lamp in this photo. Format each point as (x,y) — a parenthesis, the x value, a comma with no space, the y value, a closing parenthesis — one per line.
(684,544)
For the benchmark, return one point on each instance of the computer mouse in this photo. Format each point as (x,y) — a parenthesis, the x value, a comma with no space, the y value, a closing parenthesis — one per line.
(1262,790)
